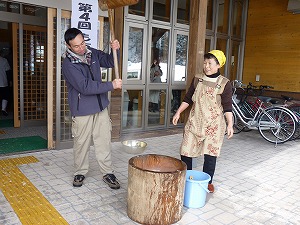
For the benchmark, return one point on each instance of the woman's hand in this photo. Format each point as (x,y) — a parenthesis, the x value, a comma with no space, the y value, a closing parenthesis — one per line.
(229,132)
(176,117)
(181,108)
(229,118)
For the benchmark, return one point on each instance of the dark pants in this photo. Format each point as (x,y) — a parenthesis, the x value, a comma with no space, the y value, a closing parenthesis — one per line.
(4,93)
(209,164)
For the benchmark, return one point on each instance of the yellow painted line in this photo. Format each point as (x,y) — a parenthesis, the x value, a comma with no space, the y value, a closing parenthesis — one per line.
(28,203)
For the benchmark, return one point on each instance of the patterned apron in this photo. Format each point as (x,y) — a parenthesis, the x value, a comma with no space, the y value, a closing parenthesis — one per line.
(205,129)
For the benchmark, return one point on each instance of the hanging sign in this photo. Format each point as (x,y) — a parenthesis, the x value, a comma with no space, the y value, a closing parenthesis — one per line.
(85,18)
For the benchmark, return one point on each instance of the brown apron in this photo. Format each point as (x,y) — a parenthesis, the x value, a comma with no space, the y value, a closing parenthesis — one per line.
(205,129)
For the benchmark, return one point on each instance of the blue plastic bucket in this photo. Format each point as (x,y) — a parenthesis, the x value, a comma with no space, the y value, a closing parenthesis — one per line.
(195,188)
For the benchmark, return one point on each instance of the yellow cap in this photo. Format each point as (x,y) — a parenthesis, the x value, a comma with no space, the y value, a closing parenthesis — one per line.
(220,56)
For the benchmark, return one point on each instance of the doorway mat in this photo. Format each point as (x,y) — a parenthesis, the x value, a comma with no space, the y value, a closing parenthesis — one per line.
(21,144)
(6,123)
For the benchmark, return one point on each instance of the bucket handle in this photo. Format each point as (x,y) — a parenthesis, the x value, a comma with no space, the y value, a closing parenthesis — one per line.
(205,188)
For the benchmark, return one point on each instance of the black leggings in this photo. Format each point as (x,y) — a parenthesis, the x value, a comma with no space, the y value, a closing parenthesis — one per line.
(209,164)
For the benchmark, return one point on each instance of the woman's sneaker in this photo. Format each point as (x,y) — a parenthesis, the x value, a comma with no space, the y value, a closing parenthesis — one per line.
(111,180)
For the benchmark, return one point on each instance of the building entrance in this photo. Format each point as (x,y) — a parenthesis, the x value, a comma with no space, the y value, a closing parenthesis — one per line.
(23,42)
(30,79)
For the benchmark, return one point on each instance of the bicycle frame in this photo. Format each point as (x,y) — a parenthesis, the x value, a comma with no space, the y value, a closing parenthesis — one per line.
(250,122)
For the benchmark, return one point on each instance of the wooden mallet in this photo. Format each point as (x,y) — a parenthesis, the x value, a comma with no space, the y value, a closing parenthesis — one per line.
(110,5)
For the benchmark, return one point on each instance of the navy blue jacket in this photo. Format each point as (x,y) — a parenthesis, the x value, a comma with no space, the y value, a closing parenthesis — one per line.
(87,94)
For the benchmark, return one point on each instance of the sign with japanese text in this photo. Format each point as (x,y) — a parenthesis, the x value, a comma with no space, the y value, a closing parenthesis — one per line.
(85,18)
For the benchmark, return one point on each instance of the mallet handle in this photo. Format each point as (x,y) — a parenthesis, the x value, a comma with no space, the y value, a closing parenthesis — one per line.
(112,35)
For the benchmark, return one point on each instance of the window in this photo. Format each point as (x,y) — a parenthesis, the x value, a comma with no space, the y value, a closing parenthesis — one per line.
(234,61)
(223,15)
(225,22)
(209,15)
(9,7)
(222,45)
(161,10)
(183,12)
(237,18)
(135,53)
(137,9)
(160,51)
(181,57)
(37,11)
(132,108)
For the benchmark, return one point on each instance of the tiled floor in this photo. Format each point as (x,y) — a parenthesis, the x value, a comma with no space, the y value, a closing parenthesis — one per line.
(255,182)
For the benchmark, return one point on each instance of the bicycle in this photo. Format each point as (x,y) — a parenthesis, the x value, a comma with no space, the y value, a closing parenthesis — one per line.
(284,101)
(276,124)
(247,106)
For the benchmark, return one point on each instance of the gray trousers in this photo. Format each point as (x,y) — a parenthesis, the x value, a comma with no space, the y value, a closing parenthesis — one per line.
(96,128)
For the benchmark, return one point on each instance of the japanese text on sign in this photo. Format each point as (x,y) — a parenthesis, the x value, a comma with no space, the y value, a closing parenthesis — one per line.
(85,18)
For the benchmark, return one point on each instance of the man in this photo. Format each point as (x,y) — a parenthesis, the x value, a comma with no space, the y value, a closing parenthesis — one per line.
(88,101)
(4,89)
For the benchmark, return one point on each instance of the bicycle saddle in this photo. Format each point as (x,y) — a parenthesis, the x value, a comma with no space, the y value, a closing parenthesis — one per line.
(274,101)
(287,98)
(265,99)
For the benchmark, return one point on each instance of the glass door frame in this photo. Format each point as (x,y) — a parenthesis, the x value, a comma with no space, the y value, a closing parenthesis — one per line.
(175,85)
(137,84)
(141,81)
(144,83)
(133,88)
(158,86)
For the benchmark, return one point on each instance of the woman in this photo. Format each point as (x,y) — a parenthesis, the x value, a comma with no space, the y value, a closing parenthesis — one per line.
(155,77)
(210,96)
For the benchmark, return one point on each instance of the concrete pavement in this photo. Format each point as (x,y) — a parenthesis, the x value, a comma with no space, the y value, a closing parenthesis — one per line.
(255,182)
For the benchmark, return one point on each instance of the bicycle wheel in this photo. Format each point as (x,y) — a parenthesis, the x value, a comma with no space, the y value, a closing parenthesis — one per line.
(238,125)
(295,108)
(277,125)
